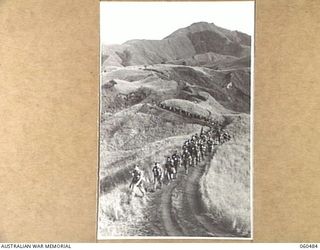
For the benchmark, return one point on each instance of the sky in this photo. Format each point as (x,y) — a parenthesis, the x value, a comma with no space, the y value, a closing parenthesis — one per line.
(123,21)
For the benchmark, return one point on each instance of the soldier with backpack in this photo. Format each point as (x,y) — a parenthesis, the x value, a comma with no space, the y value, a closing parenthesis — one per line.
(226,136)
(137,180)
(202,148)
(186,160)
(210,145)
(176,161)
(218,136)
(203,137)
(157,176)
(195,154)
(169,168)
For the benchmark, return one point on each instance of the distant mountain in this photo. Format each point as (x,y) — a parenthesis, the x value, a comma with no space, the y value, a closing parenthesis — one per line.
(200,58)
(198,44)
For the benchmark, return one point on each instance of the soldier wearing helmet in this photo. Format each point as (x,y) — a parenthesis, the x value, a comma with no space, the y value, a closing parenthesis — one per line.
(137,180)
(157,175)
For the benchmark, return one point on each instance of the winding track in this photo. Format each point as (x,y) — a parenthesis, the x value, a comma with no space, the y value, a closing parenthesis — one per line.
(176,209)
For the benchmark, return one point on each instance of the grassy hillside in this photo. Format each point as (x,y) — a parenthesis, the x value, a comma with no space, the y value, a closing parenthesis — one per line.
(162,82)
(133,136)
(225,187)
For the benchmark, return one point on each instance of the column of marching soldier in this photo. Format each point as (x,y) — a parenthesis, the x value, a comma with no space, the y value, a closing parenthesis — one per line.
(194,150)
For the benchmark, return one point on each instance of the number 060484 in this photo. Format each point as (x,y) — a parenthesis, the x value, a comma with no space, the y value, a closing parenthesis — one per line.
(310,245)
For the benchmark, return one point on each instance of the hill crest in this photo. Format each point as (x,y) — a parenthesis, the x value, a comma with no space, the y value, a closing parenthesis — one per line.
(184,43)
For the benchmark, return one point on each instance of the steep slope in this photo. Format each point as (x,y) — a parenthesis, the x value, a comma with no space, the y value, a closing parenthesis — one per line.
(225,186)
(207,37)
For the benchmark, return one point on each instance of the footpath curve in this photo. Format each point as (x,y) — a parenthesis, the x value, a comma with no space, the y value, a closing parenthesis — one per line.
(176,209)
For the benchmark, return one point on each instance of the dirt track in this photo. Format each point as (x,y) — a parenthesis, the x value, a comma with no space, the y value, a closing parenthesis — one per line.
(176,209)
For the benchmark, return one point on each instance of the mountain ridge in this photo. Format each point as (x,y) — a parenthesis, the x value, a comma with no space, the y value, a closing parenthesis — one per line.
(184,43)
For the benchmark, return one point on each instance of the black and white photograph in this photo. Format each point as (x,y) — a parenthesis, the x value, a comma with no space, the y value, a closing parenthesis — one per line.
(176,115)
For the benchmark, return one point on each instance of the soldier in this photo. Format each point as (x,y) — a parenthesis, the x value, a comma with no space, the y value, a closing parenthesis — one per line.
(203,137)
(157,176)
(209,134)
(137,180)
(226,136)
(215,141)
(202,148)
(176,161)
(184,147)
(196,136)
(218,136)
(197,148)
(189,145)
(186,160)
(210,145)
(170,170)
(192,142)
(194,154)
(222,136)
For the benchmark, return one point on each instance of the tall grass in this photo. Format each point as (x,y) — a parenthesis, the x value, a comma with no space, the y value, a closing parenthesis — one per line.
(225,187)
(120,213)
